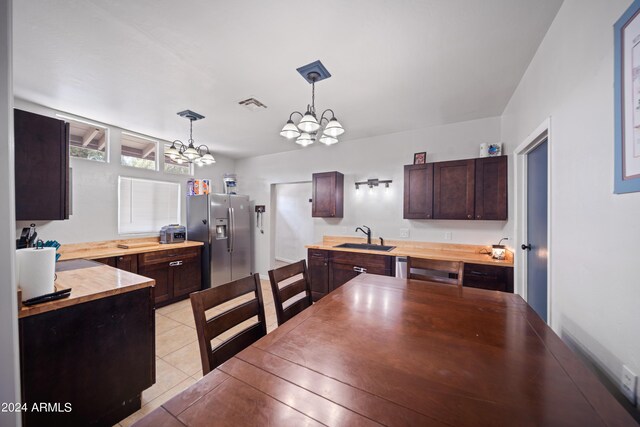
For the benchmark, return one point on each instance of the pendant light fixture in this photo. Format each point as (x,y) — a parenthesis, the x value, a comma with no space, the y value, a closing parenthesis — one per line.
(307,129)
(181,153)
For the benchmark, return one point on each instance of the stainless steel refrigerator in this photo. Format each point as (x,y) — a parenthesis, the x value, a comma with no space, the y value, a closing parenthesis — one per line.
(223,223)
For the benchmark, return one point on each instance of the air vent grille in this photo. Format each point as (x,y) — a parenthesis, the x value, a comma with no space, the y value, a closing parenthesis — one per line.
(252,104)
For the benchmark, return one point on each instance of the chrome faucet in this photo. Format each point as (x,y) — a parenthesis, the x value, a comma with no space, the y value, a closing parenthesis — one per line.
(368,233)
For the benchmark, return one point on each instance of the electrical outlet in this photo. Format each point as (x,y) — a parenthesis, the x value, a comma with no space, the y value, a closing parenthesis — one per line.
(447,235)
(629,384)
(404,233)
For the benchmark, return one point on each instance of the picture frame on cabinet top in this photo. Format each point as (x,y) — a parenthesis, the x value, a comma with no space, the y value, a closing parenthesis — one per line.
(420,158)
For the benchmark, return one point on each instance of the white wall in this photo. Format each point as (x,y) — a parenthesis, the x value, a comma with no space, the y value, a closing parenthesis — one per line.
(380,157)
(95,189)
(9,368)
(294,224)
(595,286)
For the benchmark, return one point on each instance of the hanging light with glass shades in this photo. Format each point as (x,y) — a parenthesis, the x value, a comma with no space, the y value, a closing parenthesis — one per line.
(307,129)
(181,153)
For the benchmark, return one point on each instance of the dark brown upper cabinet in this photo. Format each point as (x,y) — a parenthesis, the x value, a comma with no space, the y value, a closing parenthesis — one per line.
(418,191)
(41,167)
(491,188)
(328,195)
(453,189)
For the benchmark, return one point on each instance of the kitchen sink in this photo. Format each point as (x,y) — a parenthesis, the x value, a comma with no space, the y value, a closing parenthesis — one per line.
(366,246)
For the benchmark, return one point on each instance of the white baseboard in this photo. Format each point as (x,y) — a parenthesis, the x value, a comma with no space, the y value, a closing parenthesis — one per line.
(290,261)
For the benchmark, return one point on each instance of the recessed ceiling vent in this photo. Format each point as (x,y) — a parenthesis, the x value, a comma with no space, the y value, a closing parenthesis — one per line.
(252,104)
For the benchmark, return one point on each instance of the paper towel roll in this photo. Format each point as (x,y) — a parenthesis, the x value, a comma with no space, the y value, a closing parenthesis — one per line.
(36,271)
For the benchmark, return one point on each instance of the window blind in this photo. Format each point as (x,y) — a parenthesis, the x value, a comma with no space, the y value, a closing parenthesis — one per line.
(144,206)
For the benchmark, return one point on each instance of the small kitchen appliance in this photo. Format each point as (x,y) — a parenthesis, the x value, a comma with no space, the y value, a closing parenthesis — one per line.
(173,233)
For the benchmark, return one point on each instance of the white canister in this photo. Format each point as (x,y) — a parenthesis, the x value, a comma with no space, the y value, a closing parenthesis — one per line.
(484,150)
(36,270)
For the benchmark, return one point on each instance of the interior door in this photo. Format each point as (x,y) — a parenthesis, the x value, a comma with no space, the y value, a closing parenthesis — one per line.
(240,237)
(537,222)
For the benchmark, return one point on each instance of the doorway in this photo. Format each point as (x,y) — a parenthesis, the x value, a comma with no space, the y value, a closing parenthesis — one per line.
(533,220)
(293,222)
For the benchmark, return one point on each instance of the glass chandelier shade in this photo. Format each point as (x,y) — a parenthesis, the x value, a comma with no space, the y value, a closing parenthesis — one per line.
(333,128)
(290,130)
(308,123)
(304,139)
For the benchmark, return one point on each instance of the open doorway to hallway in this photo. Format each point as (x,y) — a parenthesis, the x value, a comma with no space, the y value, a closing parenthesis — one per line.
(293,222)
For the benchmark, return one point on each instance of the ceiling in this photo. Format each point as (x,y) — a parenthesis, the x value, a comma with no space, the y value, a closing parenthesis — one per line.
(395,65)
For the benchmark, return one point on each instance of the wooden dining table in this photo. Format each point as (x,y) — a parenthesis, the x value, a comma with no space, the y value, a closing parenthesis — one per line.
(389,351)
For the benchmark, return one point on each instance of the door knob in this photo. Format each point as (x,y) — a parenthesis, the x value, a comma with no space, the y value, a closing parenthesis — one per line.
(526,247)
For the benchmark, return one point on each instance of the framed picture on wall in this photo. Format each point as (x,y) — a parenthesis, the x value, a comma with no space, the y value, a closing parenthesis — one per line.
(420,158)
(627,100)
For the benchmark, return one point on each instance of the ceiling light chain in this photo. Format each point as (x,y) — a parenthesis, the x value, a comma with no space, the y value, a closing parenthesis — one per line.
(307,128)
(180,152)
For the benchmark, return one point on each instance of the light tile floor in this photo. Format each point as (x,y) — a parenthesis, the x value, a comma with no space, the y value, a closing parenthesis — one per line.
(177,353)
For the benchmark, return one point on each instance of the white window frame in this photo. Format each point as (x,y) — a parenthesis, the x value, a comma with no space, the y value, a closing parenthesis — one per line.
(152,231)
(107,136)
(146,138)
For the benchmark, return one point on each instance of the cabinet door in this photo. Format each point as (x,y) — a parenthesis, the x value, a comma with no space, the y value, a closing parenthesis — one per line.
(161,273)
(418,191)
(489,277)
(328,195)
(340,274)
(453,191)
(318,273)
(41,167)
(110,261)
(187,276)
(127,263)
(491,188)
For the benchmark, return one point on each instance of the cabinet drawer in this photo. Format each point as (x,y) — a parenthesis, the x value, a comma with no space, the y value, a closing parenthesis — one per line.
(168,256)
(368,261)
(318,254)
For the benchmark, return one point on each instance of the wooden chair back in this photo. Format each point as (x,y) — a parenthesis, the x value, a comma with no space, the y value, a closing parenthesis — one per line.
(286,309)
(207,329)
(432,265)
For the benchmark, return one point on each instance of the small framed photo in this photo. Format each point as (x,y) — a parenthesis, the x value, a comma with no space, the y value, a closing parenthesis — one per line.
(494,150)
(420,158)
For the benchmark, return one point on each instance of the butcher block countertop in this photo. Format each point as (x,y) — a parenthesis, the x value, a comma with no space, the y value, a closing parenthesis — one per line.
(109,248)
(471,254)
(88,280)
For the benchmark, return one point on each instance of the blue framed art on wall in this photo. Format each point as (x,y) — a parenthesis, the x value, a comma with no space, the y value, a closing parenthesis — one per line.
(627,100)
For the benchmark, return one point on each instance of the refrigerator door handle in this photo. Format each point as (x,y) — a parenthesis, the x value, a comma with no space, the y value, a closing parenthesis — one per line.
(231,229)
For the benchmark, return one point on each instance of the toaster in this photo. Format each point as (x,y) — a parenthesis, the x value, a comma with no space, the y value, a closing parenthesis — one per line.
(173,233)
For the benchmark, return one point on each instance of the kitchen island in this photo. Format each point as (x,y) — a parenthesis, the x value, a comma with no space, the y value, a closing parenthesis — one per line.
(85,359)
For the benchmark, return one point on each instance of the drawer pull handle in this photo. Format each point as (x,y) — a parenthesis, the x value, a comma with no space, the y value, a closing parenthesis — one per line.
(175,263)
(360,269)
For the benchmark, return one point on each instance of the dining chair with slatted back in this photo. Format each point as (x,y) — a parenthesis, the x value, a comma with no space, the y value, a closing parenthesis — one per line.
(283,297)
(250,304)
(445,268)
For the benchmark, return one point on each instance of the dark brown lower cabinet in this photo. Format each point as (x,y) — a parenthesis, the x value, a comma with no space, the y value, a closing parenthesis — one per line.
(110,261)
(318,267)
(328,270)
(177,272)
(88,362)
(489,277)
(128,263)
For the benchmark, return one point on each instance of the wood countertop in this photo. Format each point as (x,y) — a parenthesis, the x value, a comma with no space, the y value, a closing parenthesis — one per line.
(440,251)
(88,280)
(109,248)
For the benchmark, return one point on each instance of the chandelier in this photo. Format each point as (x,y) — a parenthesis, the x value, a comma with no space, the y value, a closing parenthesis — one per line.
(181,153)
(308,128)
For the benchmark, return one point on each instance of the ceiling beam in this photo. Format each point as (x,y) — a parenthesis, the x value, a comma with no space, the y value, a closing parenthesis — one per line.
(103,142)
(150,149)
(88,137)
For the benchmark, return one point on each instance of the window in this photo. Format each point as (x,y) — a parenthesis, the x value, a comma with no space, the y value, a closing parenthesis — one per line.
(87,140)
(171,166)
(138,152)
(144,206)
